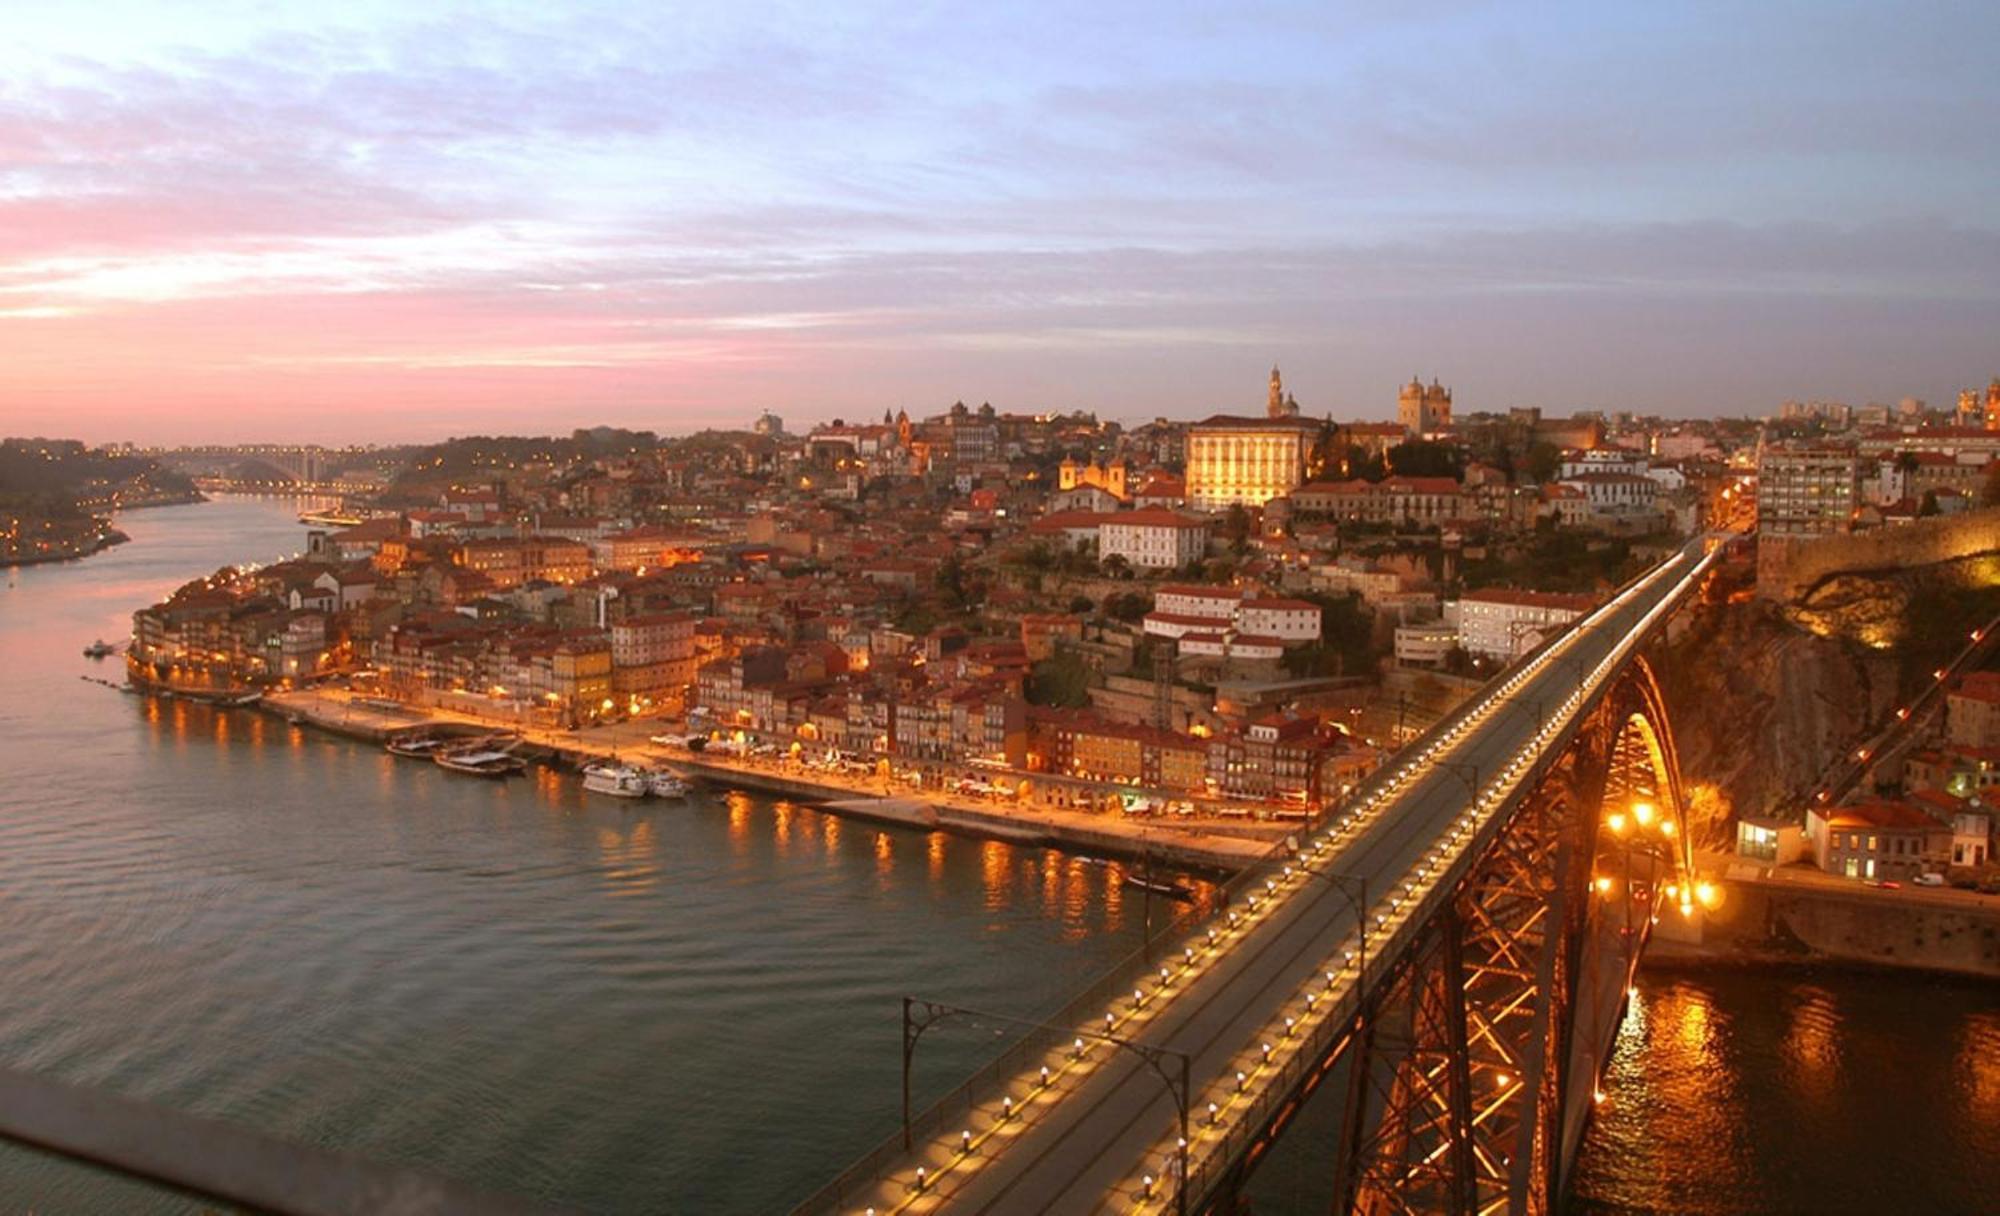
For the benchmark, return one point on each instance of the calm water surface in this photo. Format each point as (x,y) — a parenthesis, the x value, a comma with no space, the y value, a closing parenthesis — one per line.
(670,1007)
(693,1008)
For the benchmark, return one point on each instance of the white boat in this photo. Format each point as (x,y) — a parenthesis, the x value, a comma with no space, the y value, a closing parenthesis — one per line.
(662,784)
(99,649)
(617,780)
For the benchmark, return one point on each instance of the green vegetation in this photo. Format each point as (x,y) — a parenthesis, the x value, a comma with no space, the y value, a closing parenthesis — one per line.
(1127,606)
(1062,679)
(1422,458)
(1555,560)
(1346,646)
(45,477)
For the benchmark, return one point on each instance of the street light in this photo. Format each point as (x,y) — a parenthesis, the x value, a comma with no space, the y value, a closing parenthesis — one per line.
(1354,889)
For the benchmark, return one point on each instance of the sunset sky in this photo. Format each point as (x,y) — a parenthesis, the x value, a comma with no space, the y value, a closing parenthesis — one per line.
(387,221)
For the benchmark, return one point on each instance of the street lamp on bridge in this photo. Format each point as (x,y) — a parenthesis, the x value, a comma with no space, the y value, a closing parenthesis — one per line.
(920,1015)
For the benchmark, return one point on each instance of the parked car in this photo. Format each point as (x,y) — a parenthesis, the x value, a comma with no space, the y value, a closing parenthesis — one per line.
(1929,880)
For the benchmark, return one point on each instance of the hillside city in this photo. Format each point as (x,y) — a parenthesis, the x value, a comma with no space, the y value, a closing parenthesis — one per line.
(1201,631)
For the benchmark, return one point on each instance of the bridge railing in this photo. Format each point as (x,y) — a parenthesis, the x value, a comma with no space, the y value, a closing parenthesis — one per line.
(1217,1160)
(1027,1051)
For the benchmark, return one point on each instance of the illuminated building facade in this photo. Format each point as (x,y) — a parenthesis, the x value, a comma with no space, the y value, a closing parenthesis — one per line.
(1250,461)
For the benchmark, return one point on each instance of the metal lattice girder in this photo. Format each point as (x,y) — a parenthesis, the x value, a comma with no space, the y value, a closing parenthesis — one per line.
(1464,1086)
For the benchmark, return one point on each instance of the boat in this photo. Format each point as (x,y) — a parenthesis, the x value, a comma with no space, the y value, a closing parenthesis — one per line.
(414,746)
(99,649)
(1172,890)
(242,700)
(662,784)
(481,760)
(617,780)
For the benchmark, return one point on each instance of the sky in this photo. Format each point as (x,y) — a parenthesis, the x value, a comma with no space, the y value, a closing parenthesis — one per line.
(370,221)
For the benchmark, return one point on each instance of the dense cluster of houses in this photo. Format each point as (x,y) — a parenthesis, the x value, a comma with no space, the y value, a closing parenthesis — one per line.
(1942,822)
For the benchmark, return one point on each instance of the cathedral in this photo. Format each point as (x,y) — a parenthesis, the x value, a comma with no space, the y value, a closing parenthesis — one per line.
(1424,410)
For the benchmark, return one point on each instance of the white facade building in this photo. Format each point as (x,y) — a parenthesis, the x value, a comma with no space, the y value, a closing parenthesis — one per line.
(1289,621)
(1505,625)
(1152,539)
(1179,611)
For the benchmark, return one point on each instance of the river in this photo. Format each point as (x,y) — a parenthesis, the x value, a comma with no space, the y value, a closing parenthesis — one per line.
(693,1007)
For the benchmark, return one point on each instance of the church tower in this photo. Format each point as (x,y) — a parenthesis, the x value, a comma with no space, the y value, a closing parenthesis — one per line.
(1993,405)
(1274,406)
(1437,408)
(1410,407)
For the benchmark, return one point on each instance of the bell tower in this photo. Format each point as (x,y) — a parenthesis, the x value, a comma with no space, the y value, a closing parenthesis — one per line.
(1275,404)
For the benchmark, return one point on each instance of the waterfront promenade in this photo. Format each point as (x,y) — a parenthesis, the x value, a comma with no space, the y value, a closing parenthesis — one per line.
(1198,841)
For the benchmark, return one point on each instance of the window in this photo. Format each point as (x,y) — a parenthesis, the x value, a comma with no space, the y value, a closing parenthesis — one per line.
(1871,867)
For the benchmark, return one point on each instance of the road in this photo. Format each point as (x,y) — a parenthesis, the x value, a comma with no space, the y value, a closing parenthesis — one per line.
(1088,1140)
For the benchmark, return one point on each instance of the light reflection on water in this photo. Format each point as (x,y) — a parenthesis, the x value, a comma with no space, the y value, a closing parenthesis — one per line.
(1739,1092)
(512,982)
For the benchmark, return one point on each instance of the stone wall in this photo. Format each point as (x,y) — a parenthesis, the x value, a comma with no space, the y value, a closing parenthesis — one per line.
(1787,569)
(1947,932)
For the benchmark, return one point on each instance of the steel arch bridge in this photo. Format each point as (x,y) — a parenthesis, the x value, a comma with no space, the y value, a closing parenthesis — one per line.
(1470,1081)
(1455,947)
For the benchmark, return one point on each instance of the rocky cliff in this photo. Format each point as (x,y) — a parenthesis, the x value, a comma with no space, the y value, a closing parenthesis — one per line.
(1766,698)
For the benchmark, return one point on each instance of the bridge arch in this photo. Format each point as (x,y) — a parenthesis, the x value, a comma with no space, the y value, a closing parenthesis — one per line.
(1474,1078)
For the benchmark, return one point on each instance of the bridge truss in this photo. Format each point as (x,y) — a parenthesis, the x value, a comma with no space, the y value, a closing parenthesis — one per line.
(1470,1074)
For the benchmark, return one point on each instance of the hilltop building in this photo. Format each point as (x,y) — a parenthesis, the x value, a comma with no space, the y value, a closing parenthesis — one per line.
(1233,459)
(1423,409)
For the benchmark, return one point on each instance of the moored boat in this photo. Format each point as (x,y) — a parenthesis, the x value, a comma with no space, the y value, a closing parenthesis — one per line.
(1172,890)
(617,780)
(662,784)
(479,761)
(99,649)
(416,746)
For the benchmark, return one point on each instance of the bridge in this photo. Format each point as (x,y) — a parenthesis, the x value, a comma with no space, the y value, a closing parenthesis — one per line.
(1453,947)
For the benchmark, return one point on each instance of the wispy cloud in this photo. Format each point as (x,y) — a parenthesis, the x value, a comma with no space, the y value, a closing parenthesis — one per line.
(418,214)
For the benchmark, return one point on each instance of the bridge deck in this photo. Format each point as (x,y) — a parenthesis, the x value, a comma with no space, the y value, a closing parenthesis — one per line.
(1087,1140)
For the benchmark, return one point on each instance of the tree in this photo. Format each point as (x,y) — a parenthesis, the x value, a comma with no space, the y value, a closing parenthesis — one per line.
(1347,632)
(1236,527)
(1127,606)
(1080,604)
(1929,505)
(1062,679)
(956,585)
(1544,462)
(1117,567)
(1423,458)
(1989,491)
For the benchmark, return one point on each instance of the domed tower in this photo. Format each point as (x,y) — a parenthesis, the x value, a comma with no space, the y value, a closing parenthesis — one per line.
(1437,407)
(1410,407)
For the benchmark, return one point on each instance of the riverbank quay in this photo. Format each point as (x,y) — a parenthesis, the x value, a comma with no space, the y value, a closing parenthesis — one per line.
(63,550)
(1795,916)
(1224,847)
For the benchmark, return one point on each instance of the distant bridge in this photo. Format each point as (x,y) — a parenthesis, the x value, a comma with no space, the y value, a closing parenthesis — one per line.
(1456,943)
(305,463)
